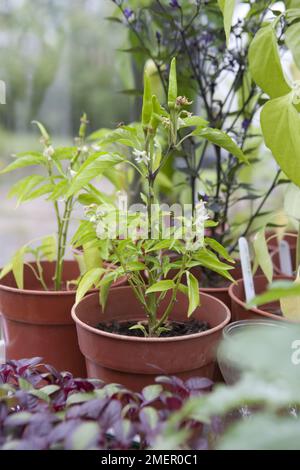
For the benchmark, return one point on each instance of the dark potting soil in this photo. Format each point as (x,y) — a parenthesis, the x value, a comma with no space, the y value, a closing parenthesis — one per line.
(174,328)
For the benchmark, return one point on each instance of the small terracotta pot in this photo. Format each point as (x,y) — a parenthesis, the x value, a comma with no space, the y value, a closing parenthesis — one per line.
(134,362)
(239,310)
(222,293)
(39,323)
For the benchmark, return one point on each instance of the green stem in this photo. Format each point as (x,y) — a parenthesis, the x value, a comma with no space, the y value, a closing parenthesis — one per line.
(170,306)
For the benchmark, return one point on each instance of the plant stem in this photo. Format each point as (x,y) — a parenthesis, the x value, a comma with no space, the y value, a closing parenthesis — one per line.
(256,213)
(170,306)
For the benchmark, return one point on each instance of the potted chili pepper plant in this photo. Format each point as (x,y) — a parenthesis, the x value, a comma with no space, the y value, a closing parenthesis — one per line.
(37,287)
(157,324)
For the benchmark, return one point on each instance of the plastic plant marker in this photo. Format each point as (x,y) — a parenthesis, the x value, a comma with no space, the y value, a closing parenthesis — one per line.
(285,259)
(246,269)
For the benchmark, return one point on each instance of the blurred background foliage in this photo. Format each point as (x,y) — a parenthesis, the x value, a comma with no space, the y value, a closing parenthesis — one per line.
(62,58)
(58,59)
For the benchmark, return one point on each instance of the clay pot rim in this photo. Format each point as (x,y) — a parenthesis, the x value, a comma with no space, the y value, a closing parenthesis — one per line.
(255,309)
(93,330)
(44,293)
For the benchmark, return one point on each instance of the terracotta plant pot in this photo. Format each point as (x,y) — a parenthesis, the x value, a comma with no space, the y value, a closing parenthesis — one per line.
(221,293)
(39,323)
(239,310)
(134,362)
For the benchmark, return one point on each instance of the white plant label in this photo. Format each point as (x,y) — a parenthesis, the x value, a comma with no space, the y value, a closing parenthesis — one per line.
(246,269)
(285,259)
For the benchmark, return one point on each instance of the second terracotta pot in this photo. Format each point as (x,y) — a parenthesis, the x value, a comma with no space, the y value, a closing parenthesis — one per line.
(239,308)
(133,361)
(38,323)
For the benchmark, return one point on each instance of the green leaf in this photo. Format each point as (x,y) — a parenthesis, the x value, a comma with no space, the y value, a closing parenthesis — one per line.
(161,286)
(263,258)
(172,91)
(104,289)
(290,306)
(227,8)
(265,65)
(292,40)
(90,279)
(24,188)
(292,202)
(193,121)
(43,131)
(48,247)
(193,293)
(221,139)
(276,291)
(5,270)
(147,101)
(91,255)
(184,289)
(18,267)
(24,161)
(218,248)
(274,433)
(24,384)
(94,166)
(280,123)
(59,190)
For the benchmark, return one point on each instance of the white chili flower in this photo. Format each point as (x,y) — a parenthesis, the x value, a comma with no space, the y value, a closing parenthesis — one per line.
(141,156)
(48,152)
(201,214)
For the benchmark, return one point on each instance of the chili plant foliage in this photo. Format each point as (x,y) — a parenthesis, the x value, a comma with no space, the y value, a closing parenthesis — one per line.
(62,176)
(143,257)
(43,409)
(214,72)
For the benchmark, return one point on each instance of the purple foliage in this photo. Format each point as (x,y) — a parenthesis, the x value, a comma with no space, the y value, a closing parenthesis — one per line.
(42,408)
